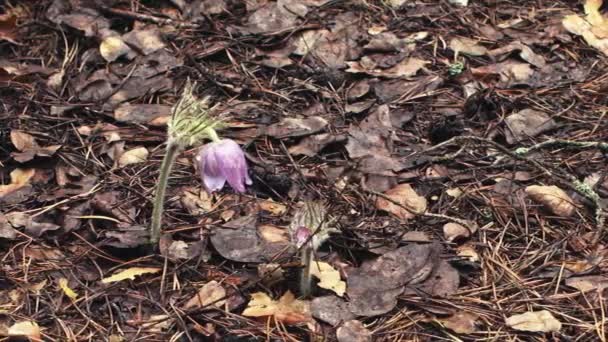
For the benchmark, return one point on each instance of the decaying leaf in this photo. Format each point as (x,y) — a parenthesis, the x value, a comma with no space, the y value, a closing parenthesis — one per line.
(29,148)
(331,309)
(63,284)
(510,73)
(270,274)
(374,287)
(329,277)
(537,321)
(8,27)
(148,114)
(197,201)
(461,322)
(405,195)
(588,283)
(453,231)
(130,273)
(32,227)
(311,146)
(553,198)
(406,68)
(241,240)
(287,309)
(292,127)
(353,331)
(134,156)
(212,293)
(29,329)
(526,124)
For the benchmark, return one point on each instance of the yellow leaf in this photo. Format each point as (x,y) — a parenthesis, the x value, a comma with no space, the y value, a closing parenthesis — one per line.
(113,47)
(329,277)
(28,329)
(593,28)
(63,284)
(540,321)
(287,309)
(553,198)
(130,273)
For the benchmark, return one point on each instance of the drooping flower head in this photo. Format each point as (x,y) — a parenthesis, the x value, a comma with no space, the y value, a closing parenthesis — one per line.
(222,161)
(311,219)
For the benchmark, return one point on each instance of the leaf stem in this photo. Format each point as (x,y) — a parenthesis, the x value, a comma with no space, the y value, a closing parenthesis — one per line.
(173,149)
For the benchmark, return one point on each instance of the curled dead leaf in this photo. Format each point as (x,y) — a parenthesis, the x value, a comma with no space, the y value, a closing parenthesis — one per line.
(536,321)
(329,277)
(29,329)
(553,198)
(134,156)
(212,293)
(405,195)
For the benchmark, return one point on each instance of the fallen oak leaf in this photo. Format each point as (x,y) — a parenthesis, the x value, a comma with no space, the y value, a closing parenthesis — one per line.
(329,277)
(133,156)
(130,273)
(287,309)
(19,181)
(29,148)
(536,321)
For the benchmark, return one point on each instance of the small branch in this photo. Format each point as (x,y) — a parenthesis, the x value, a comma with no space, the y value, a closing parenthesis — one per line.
(146,17)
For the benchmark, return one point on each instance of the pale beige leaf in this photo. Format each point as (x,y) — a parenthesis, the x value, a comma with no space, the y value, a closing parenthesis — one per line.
(276,209)
(405,195)
(329,277)
(453,231)
(209,294)
(461,322)
(134,156)
(273,234)
(467,46)
(287,309)
(113,47)
(27,329)
(537,321)
(553,198)
(130,273)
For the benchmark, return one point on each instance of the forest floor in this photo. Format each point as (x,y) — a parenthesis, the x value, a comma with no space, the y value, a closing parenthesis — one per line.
(457,153)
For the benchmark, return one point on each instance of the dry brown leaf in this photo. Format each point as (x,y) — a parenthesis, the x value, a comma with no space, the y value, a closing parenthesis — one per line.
(287,309)
(406,68)
(510,73)
(467,46)
(212,293)
(134,156)
(329,277)
(295,127)
(461,322)
(29,148)
(276,209)
(588,283)
(527,123)
(405,195)
(553,198)
(22,140)
(148,114)
(29,329)
(537,321)
(8,27)
(130,273)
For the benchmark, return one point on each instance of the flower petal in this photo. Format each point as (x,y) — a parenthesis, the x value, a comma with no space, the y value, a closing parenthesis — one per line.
(213,183)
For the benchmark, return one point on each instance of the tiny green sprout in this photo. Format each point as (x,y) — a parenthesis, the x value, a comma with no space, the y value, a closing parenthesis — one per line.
(456,69)
(189,125)
(521,151)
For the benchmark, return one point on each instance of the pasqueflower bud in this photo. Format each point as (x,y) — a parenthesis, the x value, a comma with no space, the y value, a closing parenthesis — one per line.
(222,161)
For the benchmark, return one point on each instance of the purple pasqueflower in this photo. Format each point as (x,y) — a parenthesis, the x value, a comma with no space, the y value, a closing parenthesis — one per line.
(302,235)
(223,161)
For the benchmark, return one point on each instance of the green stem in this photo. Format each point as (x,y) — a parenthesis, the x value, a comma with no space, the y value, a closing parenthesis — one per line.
(212,134)
(306,277)
(173,149)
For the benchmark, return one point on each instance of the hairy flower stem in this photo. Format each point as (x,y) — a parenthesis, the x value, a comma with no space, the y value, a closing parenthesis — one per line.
(212,134)
(173,150)
(306,276)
